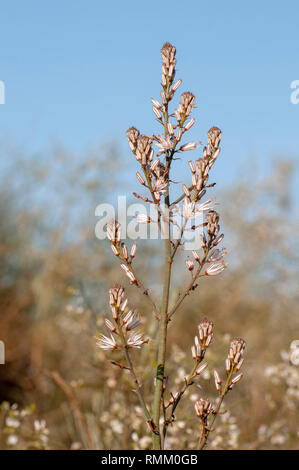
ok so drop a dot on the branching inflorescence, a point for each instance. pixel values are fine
(207, 258)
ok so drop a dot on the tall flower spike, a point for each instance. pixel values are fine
(156, 177)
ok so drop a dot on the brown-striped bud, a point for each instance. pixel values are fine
(203, 408)
(214, 136)
(205, 328)
(212, 219)
(132, 136)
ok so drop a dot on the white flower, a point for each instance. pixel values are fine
(215, 268)
(205, 206)
(135, 340)
(188, 208)
(159, 186)
(104, 342)
(164, 143)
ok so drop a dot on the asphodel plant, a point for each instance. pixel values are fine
(188, 213)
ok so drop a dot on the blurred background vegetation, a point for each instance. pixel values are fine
(58, 391)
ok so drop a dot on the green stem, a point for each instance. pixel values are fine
(166, 288)
(162, 338)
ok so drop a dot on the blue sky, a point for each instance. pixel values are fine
(81, 72)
